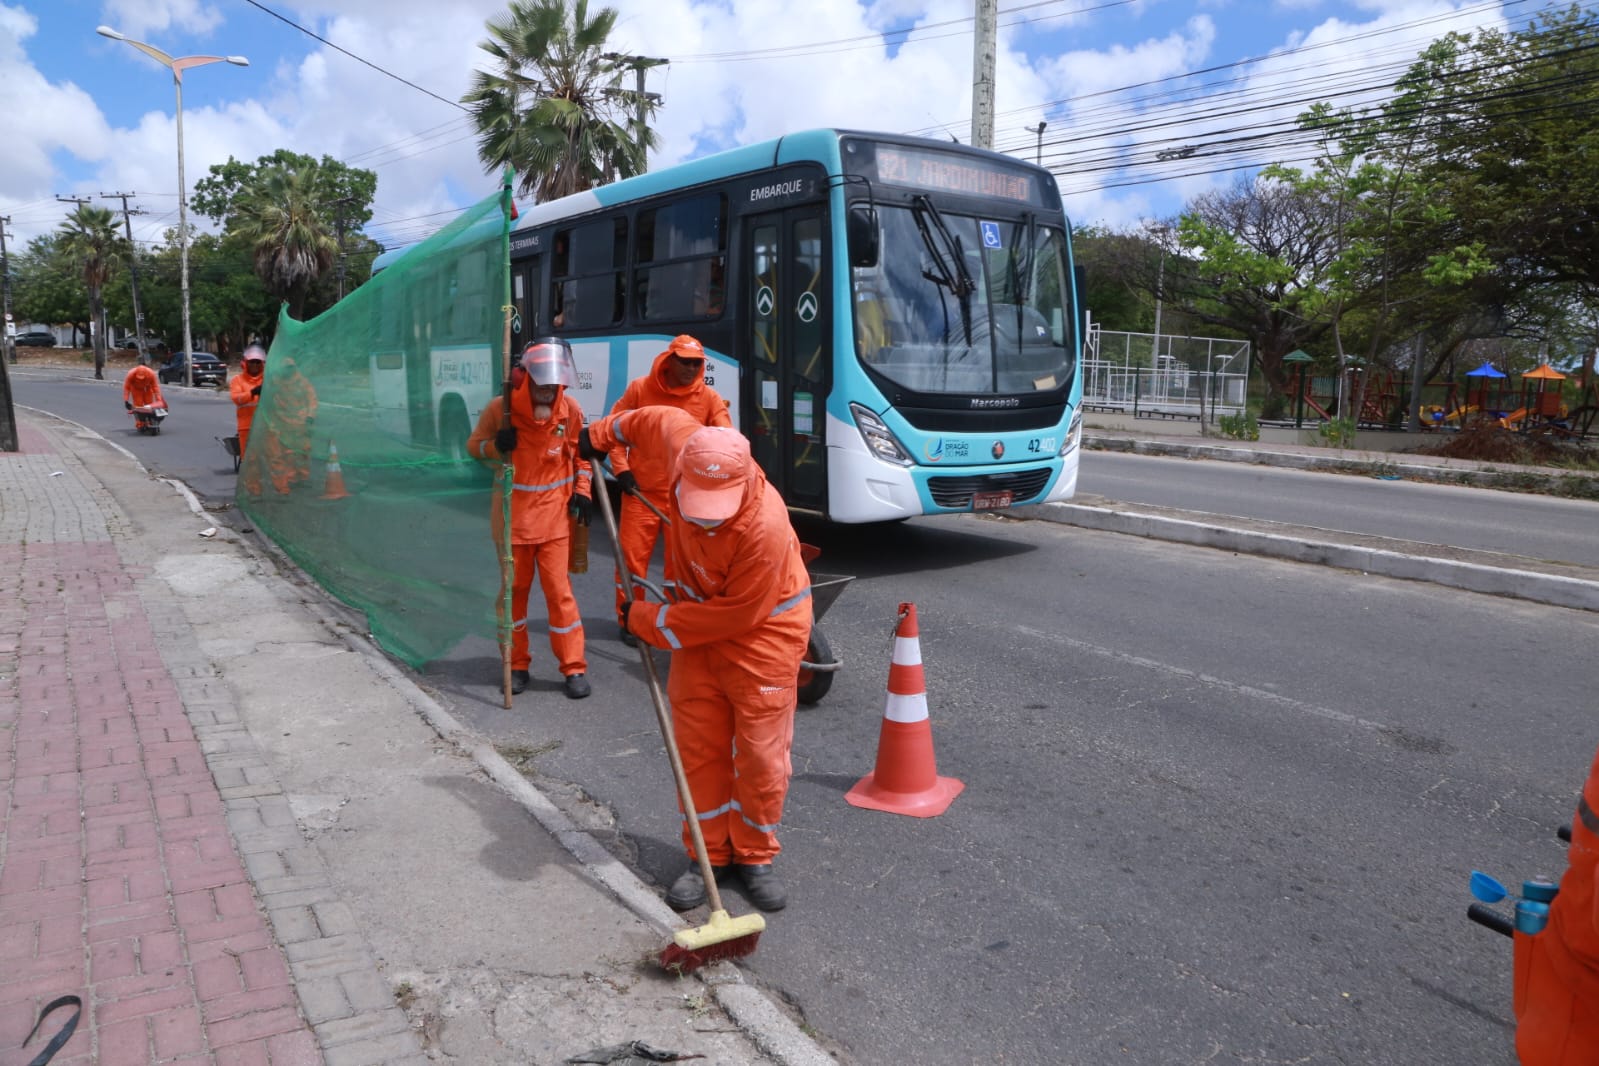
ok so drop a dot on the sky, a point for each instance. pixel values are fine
(1144, 103)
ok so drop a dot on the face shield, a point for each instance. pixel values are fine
(548, 361)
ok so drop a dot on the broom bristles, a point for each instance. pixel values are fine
(722, 938)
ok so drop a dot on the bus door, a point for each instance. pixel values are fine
(787, 374)
(525, 298)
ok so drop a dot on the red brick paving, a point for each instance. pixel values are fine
(119, 880)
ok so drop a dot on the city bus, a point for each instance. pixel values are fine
(896, 323)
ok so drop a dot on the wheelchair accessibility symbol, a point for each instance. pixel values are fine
(991, 237)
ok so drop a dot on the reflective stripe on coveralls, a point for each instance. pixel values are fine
(1557, 971)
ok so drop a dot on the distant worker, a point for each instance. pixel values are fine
(142, 388)
(737, 626)
(246, 391)
(290, 408)
(550, 488)
(677, 379)
(1557, 971)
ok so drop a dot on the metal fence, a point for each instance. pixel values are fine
(1146, 374)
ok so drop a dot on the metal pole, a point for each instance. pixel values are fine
(6, 340)
(183, 241)
(1038, 129)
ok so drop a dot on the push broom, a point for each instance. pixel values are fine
(723, 936)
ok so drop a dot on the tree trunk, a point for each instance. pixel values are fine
(97, 331)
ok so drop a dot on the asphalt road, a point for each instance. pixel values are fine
(1217, 808)
(1543, 527)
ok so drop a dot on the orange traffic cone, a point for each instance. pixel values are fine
(333, 483)
(906, 780)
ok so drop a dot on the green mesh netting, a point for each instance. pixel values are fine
(356, 463)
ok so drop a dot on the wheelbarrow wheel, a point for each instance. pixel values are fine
(813, 684)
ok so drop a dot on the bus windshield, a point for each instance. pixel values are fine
(960, 304)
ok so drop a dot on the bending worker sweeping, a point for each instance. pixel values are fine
(737, 631)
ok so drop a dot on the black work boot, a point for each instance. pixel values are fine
(627, 637)
(762, 886)
(577, 687)
(519, 681)
(688, 891)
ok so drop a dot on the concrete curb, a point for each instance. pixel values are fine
(1554, 589)
(1575, 484)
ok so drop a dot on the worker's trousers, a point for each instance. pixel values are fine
(734, 730)
(549, 559)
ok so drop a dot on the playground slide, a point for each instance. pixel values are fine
(1515, 418)
(1459, 413)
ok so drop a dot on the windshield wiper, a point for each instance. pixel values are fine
(959, 279)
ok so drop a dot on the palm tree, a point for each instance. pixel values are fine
(550, 108)
(280, 217)
(90, 239)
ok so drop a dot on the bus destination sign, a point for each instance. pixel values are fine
(951, 173)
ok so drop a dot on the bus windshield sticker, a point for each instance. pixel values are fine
(769, 394)
(991, 236)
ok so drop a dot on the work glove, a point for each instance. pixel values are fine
(641, 616)
(256, 391)
(505, 440)
(585, 447)
(128, 404)
(627, 481)
(581, 509)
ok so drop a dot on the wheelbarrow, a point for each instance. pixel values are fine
(231, 446)
(820, 664)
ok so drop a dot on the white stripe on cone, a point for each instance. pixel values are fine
(912, 708)
(907, 651)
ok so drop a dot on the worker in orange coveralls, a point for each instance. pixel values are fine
(245, 389)
(550, 486)
(737, 628)
(290, 409)
(676, 380)
(142, 388)
(1557, 971)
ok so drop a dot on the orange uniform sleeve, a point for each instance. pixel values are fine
(480, 445)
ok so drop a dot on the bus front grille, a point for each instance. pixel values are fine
(1023, 485)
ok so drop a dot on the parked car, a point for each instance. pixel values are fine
(208, 370)
(37, 338)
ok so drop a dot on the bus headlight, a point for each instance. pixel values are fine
(880, 440)
(1074, 433)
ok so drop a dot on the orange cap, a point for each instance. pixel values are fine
(685, 347)
(712, 469)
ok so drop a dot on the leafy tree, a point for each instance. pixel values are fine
(91, 239)
(335, 186)
(549, 108)
(283, 222)
(45, 285)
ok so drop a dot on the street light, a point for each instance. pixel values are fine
(178, 66)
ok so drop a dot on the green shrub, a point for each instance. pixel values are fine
(1240, 426)
(1338, 433)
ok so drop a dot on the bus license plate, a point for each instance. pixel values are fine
(991, 501)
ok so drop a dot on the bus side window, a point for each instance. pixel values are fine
(588, 287)
(680, 257)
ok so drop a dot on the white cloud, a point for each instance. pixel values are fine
(139, 18)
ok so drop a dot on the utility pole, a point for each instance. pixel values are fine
(983, 73)
(99, 370)
(133, 270)
(642, 101)
(1038, 129)
(8, 329)
(338, 227)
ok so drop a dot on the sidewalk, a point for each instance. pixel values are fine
(243, 836)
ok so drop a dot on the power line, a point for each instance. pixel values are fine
(386, 73)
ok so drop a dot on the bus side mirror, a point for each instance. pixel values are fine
(1080, 300)
(862, 237)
